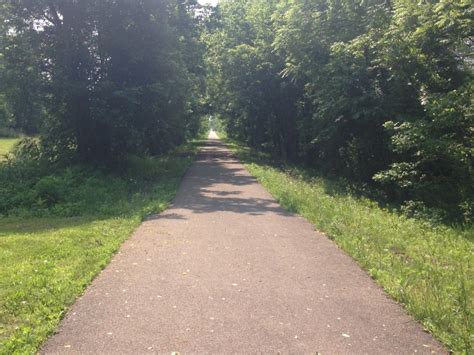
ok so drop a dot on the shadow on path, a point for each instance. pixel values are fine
(218, 182)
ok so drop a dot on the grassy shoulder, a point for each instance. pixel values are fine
(429, 269)
(6, 144)
(59, 230)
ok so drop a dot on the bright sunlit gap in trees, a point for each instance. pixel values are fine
(209, 2)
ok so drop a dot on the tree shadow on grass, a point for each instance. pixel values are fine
(9, 226)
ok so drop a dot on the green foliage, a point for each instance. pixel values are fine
(205, 127)
(429, 269)
(439, 154)
(102, 79)
(6, 132)
(22, 88)
(244, 85)
(376, 92)
(31, 186)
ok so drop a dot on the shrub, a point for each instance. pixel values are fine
(6, 132)
(50, 190)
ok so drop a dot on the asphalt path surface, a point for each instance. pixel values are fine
(227, 270)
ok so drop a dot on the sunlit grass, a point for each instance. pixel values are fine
(6, 144)
(44, 265)
(429, 269)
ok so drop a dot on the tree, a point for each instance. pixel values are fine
(21, 85)
(118, 74)
(376, 92)
(244, 84)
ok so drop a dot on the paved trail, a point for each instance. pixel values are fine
(226, 270)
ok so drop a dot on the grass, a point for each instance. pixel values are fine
(428, 269)
(48, 258)
(6, 144)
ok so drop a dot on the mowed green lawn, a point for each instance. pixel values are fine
(429, 269)
(45, 264)
(47, 259)
(6, 144)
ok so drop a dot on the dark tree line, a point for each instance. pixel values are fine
(99, 79)
(378, 92)
(375, 91)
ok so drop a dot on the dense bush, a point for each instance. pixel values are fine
(32, 185)
(7, 132)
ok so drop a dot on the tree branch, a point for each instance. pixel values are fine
(55, 20)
